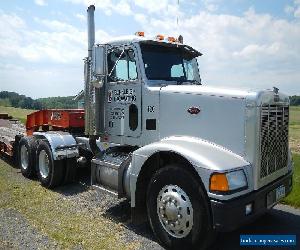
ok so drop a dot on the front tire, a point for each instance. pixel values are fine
(50, 172)
(178, 210)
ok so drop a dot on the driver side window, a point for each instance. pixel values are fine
(177, 71)
(121, 65)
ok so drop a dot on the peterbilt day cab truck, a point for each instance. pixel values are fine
(193, 160)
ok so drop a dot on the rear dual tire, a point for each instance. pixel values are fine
(35, 158)
(50, 172)
(27, 159)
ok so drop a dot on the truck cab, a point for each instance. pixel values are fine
(137, 71)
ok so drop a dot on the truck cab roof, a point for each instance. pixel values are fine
(130, 39)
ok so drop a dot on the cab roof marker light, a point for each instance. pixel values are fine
(140, 33)
(172, 39)
(160, 37)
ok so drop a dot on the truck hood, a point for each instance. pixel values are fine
(223, 115)
(252, 97)
(209, 91)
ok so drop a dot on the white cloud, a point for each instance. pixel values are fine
(121, 7)
(40, 2)
(297, 12)
(153, 5)
(140, 18)
(295, 9)
(81, 17)
(58, 42)
(45, 61)
(41, 81)
(211, 5)
(289, 9)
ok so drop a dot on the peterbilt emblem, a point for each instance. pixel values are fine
(193, 110)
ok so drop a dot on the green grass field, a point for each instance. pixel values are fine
(17, 113)
(295, 129)
(293, 198)
(56, 217)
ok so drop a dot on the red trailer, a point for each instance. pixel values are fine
(11, 130)
(55, 119)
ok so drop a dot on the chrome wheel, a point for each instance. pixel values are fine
(175, 211)
(24, 157)
(44, 164)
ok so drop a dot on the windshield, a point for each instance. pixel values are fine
(169, 64)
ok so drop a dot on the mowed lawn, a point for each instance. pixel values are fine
(293, 198)
(295, 129)
(17, 113)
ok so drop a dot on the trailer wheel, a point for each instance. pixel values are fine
(27, 149)
(50, 172)
(177, 209)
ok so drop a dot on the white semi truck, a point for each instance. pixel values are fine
(192, 159)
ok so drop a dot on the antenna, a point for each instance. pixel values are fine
(180, 37)
(177, 19)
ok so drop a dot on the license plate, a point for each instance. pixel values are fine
(280, 192)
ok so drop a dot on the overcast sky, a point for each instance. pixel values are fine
(249, 44)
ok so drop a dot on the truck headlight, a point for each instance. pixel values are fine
(228, 182)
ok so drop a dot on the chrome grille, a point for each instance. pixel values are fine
(274, 139)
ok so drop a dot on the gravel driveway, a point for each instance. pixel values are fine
(17, 233)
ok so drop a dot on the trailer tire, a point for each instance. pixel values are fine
(50, 172)
(178, 210)
(26, 156)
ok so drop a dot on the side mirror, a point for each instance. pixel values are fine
(99, 61)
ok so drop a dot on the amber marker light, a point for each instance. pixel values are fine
(172, 39)
(140, 33)
(218, 182)
(160, 37)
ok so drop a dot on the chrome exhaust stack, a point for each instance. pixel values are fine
(91, 29)
(89, 90)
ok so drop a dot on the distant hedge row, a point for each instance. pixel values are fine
(295, 100)
(12, 99)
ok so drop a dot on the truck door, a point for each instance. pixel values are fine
(123, 112)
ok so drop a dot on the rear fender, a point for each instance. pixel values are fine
(63, 144)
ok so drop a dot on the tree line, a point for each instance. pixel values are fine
(295, 100)
(12, 99)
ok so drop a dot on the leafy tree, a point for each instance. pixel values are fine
(295, 100)
(5, 102)
(21, 101)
